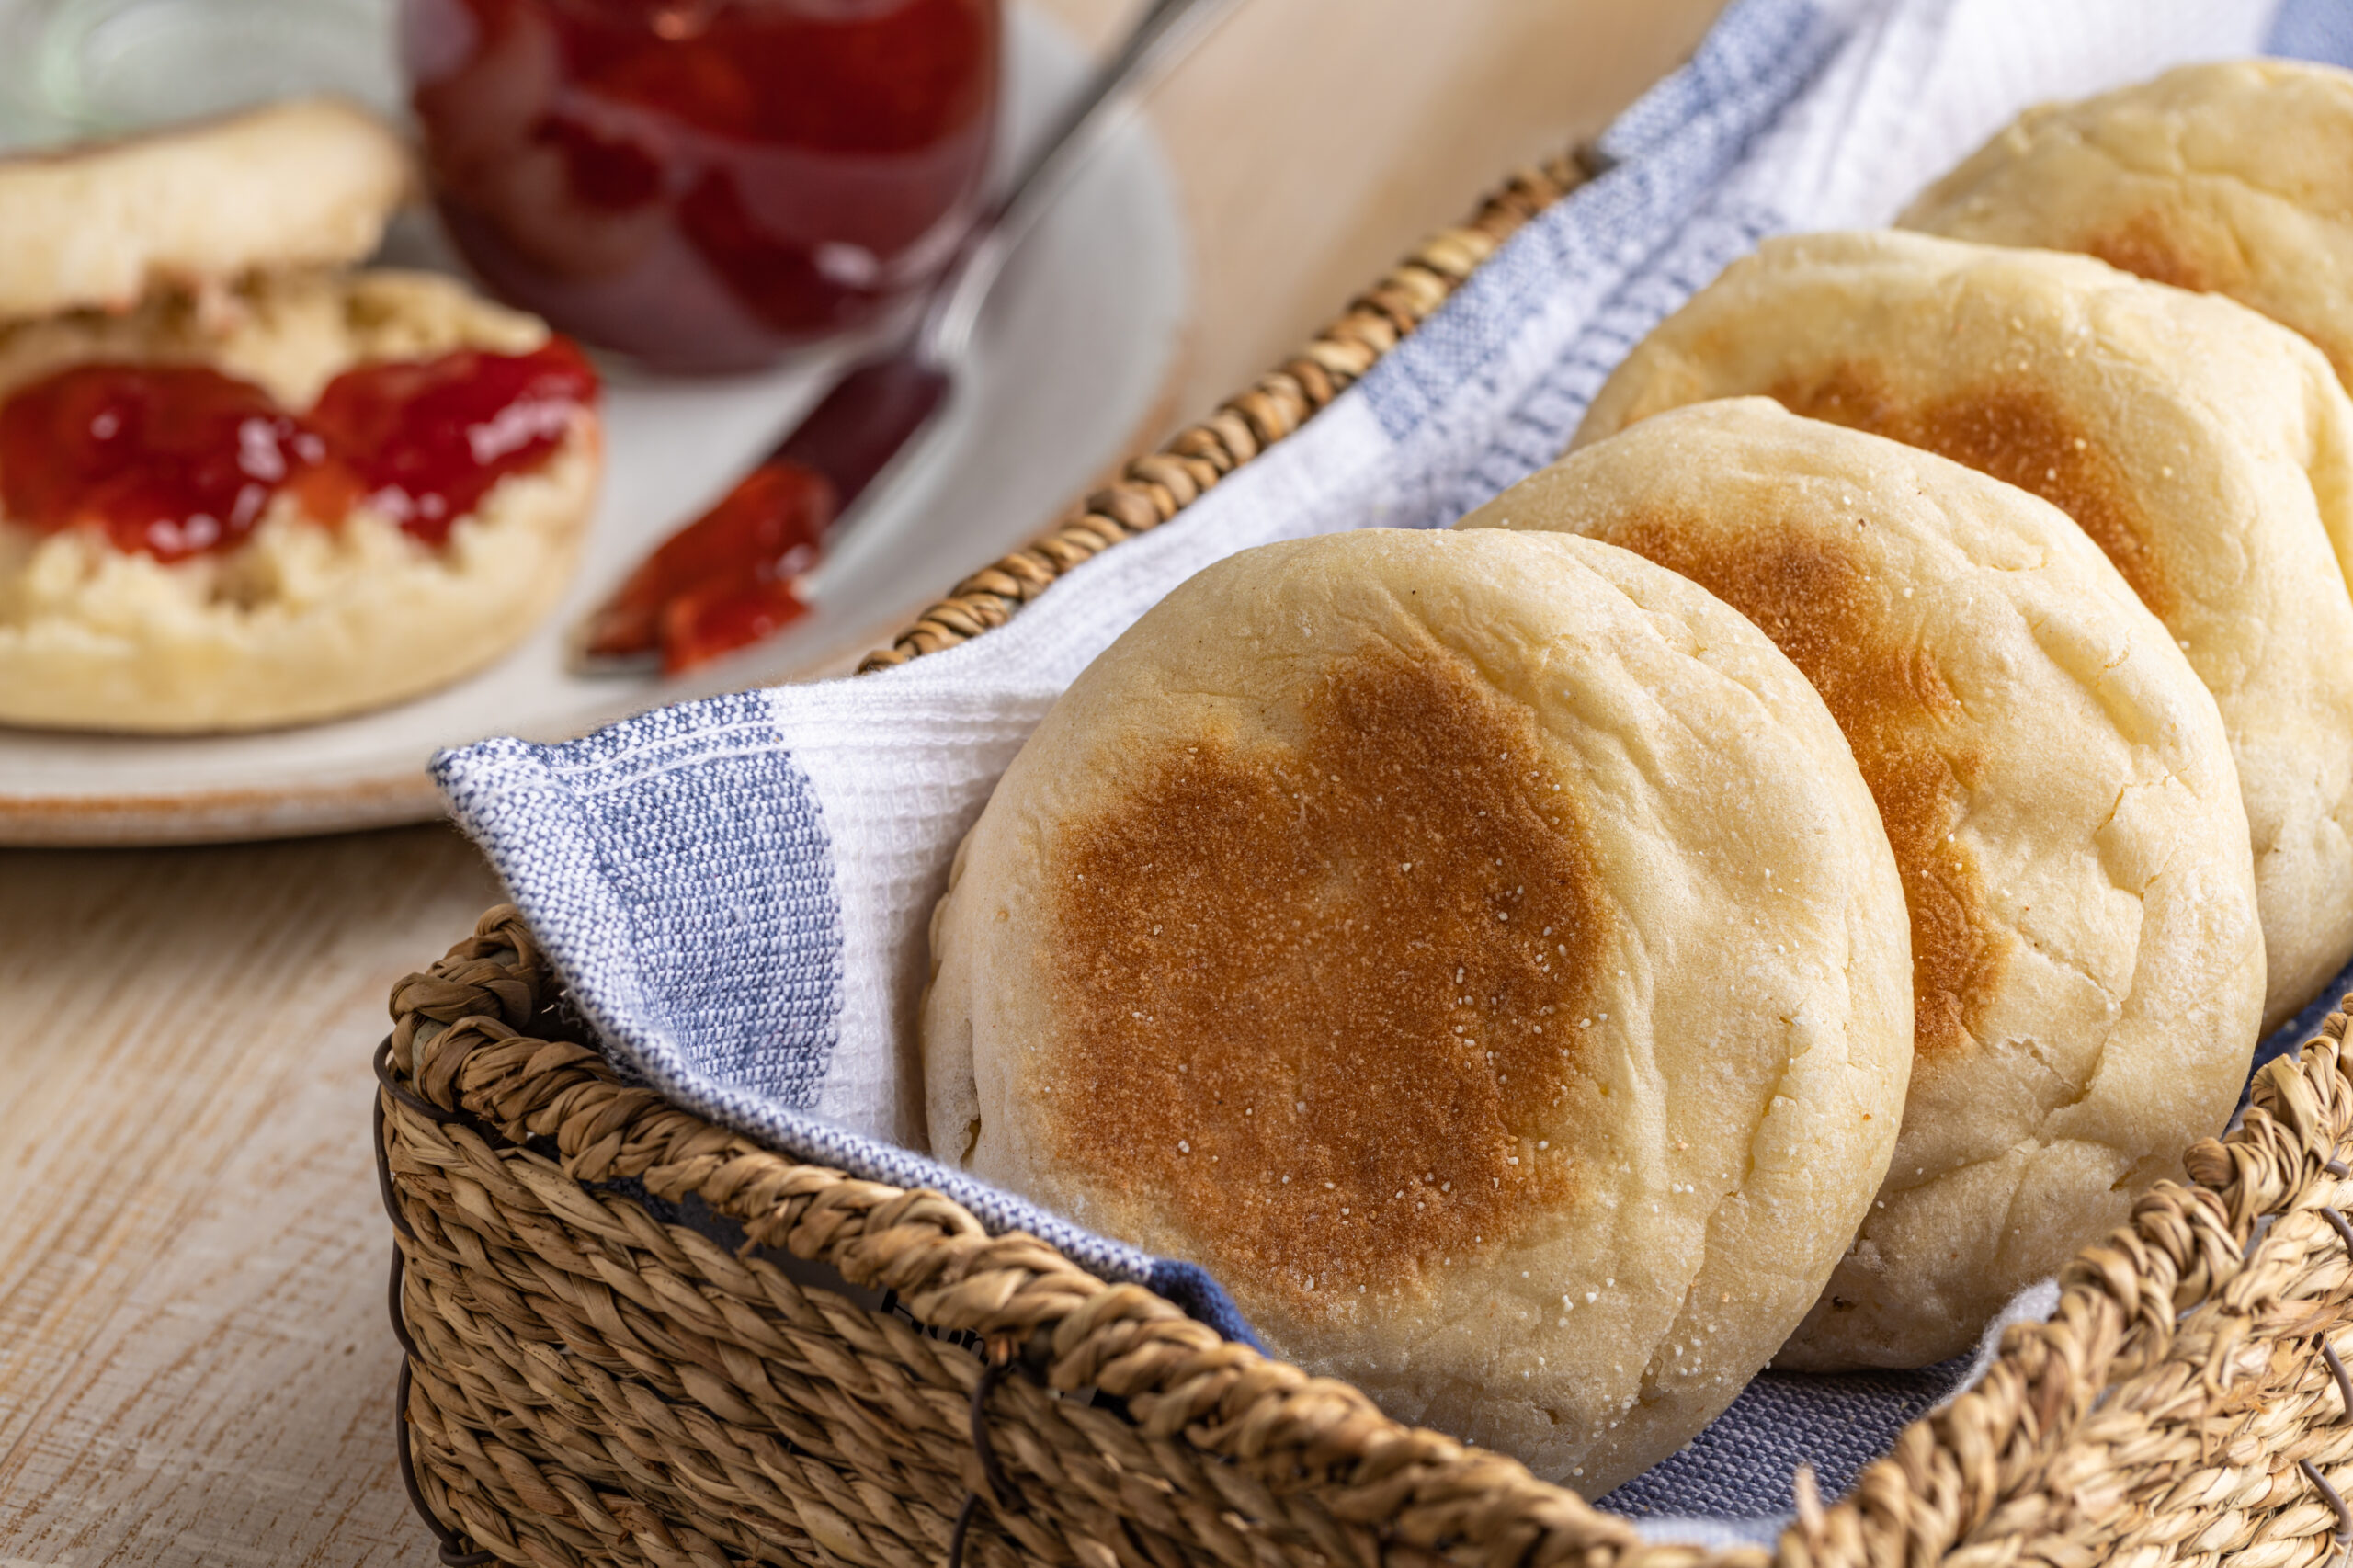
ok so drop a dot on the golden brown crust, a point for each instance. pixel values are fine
(1813, 598)
(1268, 958)
(1502, 785)
(2228, 178)
(2011, 428)
(2057, 790)
(2208, 451)
(2152, 243)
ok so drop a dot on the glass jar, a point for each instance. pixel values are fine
(705, 185)
(71, 70)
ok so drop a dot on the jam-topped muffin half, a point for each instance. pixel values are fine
(241, 486)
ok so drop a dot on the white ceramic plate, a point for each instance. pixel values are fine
(1080, 340)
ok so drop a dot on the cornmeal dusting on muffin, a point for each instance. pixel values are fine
(2017, 433)
(1323, 1000)
(1812, 598)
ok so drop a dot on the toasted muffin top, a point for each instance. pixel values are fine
(2059, 795)
(281, 188)
(2234, 178)
(1478, 950)
(2206, 452)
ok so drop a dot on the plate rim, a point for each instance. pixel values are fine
(362, 799)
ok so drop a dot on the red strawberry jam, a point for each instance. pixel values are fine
(705, 184)
(171, 459)
(725, 580)
(176, 459)
(426, 441)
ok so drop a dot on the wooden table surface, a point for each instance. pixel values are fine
(195, 1364)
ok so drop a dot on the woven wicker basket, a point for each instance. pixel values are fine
(636, 1337)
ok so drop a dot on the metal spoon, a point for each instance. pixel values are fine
(874, 414)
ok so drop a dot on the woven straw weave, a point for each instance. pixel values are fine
(856, 1374)
(587, 1382)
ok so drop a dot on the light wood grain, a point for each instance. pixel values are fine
(194, 1366)
(1316, 141)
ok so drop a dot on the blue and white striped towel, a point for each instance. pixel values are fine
(737, 891)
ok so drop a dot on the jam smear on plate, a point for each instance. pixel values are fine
(726, 580)
(174, 460)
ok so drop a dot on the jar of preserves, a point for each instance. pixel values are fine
(705, 185)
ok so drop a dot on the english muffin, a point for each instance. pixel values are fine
(281, 187)
(2087, 965)
(2232, 178)
(2204, 449)
(239, 487)
(303, 617)
(1477, 949)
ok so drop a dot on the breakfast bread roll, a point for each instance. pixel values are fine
(2087, 966)
(1477, 949)
(306, 619)
(199, 531)
(2204, 449)
(286, 187)
(2232, 178)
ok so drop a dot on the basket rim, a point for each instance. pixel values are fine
(1153, 487)
(2179, 1279)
